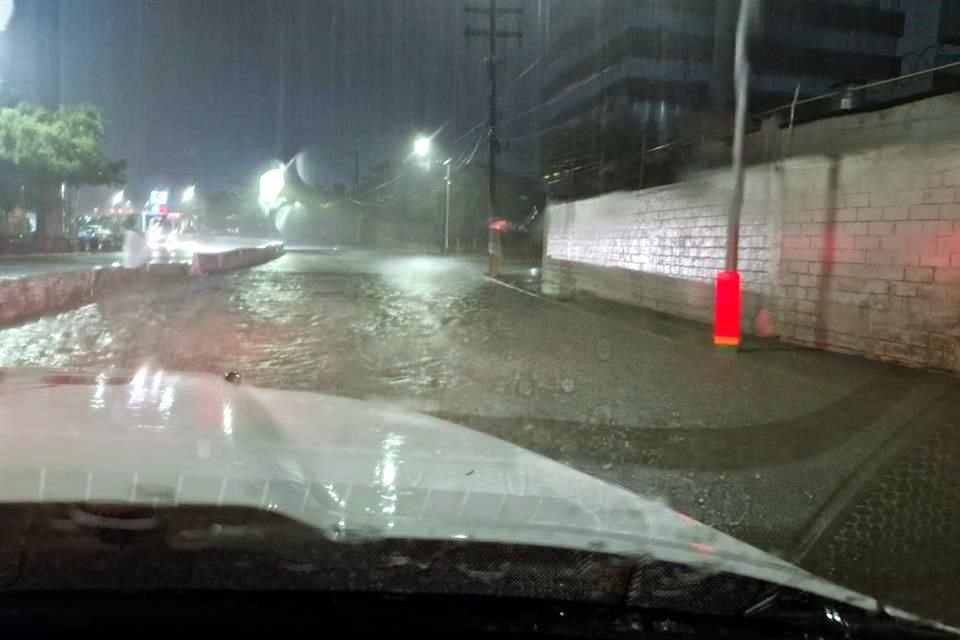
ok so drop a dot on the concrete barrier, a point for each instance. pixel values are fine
(26, 298)
(206, 263)
(22, 299)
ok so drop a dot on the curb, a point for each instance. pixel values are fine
(573, 308)
(221, 262)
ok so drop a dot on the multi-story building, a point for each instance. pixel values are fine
(625, 75)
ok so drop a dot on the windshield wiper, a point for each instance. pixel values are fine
(833, 618)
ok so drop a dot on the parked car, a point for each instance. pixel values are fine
(95, 237)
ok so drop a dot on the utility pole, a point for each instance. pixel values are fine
(726, 322)
(493, 238)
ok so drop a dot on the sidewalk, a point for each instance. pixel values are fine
(842, 464)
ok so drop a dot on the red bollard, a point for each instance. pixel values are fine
(726, 312)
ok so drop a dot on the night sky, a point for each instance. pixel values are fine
(213, 90)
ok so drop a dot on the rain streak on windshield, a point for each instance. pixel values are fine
(666, 278)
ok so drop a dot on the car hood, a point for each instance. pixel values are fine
(349, 467)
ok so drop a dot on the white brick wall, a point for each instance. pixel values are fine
(857, 251)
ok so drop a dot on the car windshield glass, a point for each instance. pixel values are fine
(583, 274)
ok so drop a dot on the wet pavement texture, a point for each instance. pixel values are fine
(839, 463)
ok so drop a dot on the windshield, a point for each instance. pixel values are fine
(651, 261)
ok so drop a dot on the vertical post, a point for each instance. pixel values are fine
(726, 326)
(356, 169)
(493, 244)
(64, 223)
(643, 156)
(446, 209)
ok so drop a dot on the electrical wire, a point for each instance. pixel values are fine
(473, 154)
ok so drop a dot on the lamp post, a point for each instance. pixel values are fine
(446, 209)
(421, 149)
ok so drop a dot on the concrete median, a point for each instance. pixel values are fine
(25, 298)
(30, 297)
(208, 263)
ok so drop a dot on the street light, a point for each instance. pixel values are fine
(271, 184)
(117, 198)
(446, 208)
(421, 147)
(6, 12)
(188, 194)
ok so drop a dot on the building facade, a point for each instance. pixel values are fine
(622, 76)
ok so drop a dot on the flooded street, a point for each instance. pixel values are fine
(760, 444)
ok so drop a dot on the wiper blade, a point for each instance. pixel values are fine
(833, 618)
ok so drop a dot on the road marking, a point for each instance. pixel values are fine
(515, 288)
(646, 332)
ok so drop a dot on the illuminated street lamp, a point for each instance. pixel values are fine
(271, 184)
(6, 12)
(188, 194)
(421, 147)
(117, 198)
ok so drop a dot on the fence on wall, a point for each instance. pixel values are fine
(577, 175)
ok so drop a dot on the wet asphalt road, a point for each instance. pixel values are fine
(796, 451)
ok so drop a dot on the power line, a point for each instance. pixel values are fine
(463, 163)
(520, 76)
(556, 98)
(515, 79)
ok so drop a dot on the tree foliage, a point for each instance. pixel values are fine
(40, 149)
(57, 146)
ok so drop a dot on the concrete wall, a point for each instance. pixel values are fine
(855, 248)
